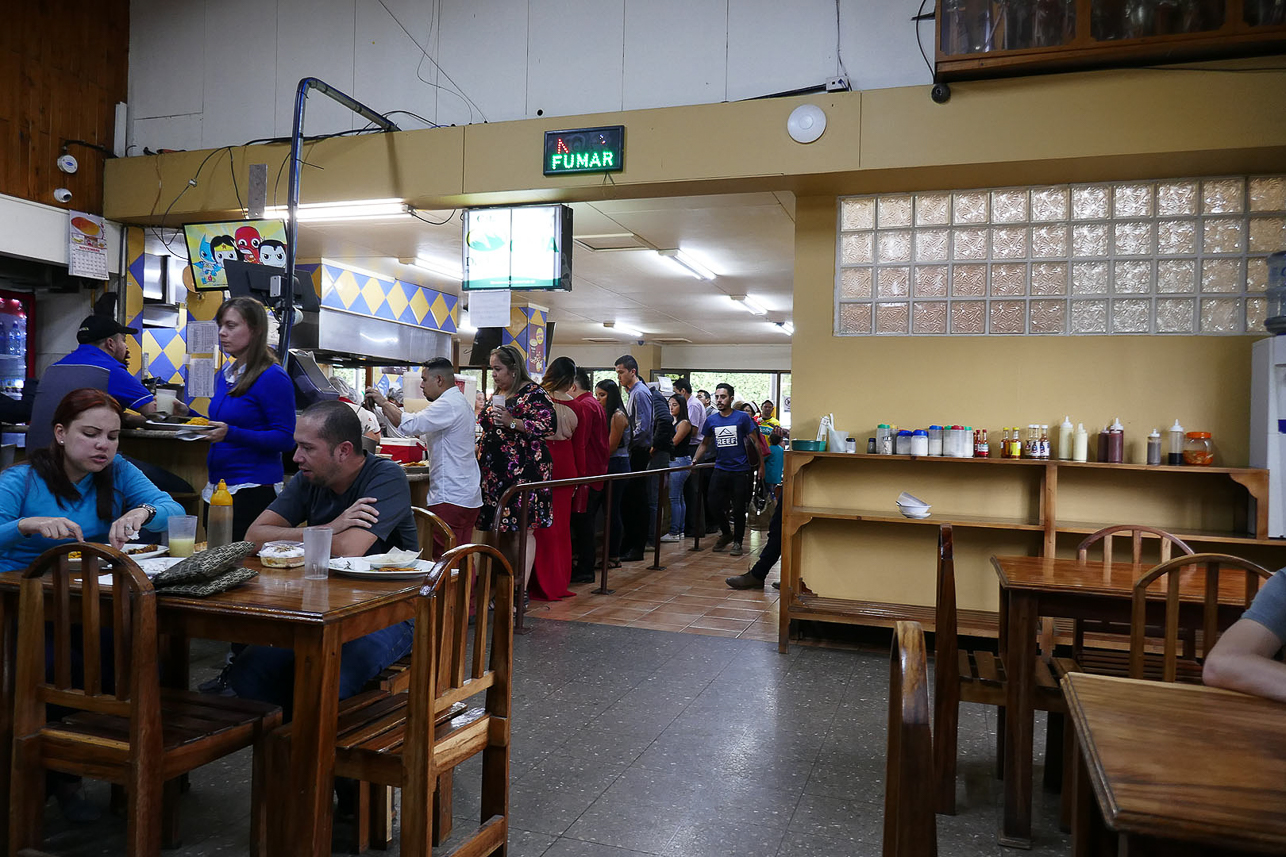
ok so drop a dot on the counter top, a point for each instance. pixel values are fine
(144, 434)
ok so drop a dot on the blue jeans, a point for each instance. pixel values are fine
(658, 461)
(268, 674)
(678, 506)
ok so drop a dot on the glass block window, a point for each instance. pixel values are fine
(1178, 256)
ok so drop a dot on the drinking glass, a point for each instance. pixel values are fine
(182, 535)
(316, 553)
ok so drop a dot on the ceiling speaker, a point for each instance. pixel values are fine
(806, 123)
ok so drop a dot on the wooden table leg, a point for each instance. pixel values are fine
(1020, 659)
(312, 751)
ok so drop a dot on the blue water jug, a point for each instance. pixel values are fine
(1276, 321)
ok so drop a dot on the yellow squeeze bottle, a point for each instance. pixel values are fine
(219, 528)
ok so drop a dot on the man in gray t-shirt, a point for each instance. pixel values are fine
(1248, 655)
(366, 502)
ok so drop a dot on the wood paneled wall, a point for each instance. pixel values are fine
(63, 68)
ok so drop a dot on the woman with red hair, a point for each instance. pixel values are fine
(78, 488)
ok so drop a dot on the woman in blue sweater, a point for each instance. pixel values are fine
(77, 488)
(252, 414)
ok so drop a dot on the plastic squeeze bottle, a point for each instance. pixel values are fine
(1080, 443)
(1116, 442)
(1065, 439)
(219, 525)
(1154, 447)
(1174, 455)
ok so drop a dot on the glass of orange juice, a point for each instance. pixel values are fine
(182, 535)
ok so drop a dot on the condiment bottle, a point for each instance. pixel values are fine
(1015, 444)
(219, 524)
(1174, 454)
(920, 442)
(984, 448)
(967, 449)
(1102, 444)
(1044, 442)
(903, 443)
(1004, 444)
(1080, 443)
(1154, 447)
(1199, 450)
(935, 440)
(883, 439)
(1116, 442)
(1065, 438)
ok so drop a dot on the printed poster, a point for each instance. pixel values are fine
(86, 246)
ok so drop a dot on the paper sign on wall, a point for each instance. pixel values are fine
(86, 246)
(202, 336)
(200, 378)
(490, 308)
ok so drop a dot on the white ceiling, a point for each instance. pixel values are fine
(746, 239)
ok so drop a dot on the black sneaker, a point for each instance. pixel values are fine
(722, 545)
(736, 549)
(218, 686)
(745, 581)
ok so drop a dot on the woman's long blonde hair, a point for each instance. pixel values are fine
(257, 356)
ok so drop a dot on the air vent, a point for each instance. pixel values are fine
(600, 339)
(612, 241)
(667, 340)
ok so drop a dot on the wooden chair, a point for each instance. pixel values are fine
(407, 739)
(138, 735)
(910, 825)
(373, 823)
(1169, 666)
(978, 676)
(1113, 661)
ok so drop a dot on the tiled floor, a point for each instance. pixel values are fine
(689, 595)
(679, 743)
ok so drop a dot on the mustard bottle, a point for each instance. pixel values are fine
(219, 524)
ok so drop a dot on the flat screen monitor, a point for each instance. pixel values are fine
(255, 281)
(523, 248)
(257, 242)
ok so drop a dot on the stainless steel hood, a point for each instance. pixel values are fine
(346, 336)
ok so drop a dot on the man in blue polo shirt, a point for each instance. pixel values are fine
(102, 344)
(736, 458)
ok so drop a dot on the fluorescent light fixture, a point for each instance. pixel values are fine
(356, 209)
(617, 327)
(441, 267)
(688, 264)
(785, 327)
(749, 304)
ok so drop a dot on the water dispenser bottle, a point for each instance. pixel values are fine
(1276, 321)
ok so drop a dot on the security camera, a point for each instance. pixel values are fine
(67, 163)
(62, 195)
(941, 93)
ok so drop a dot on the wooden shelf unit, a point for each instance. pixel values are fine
(1235, 497)
(1005, 38)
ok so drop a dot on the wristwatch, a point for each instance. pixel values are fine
(151, 512)
(513, 425)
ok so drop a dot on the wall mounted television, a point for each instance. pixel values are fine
(526, 247)
(258, 242)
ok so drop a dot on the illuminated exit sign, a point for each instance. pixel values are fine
(587, 150)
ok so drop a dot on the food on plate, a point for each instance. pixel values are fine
(282, 554)
(395, 569)
(131, 550)
(197, 421)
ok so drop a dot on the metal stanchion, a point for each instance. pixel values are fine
(607, 539)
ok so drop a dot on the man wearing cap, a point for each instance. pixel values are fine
(102, 344)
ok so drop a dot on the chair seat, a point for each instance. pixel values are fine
(394, 678)
(1117, 663)
(983, 676)
(195, 728)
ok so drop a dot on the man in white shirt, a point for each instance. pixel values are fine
(446, 425)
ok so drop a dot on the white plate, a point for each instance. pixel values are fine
(923, 514)
(146, 554)
(358, 567)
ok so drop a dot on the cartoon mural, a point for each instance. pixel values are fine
(212, 244)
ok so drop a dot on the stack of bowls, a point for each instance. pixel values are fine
(911, 506)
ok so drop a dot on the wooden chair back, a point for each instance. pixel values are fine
(1136, 533)
(1174, 572)
(432, 529)
(910, 823)
(131, 618)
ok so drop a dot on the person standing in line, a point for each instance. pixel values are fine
(704, 397)
(696, 416)
(608, 394)
(732, 434)
(593, 429)
(636, 502)
(513, 450)
(446, 426)
(683, 448)
(552, 571)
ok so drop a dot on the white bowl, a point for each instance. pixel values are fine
(912, 513)
(913, 507)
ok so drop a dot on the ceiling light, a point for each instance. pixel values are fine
(749, 305)
(617, 327)
(441, 267)
(785, 327)
(357, 209)
(688, 264)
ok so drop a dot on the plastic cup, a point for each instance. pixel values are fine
(165, 401)
(317, 553)
(182, 535)
(498, 400)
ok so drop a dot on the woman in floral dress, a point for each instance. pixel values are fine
(513, 450)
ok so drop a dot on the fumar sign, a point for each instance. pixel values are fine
(585, 150)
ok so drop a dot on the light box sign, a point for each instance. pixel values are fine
(586, 150)
(524, 247)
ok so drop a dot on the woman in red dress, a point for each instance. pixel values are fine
(553, 569)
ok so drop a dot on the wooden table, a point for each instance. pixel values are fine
(278, 608)
(1031, 587)
(1225, 787)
